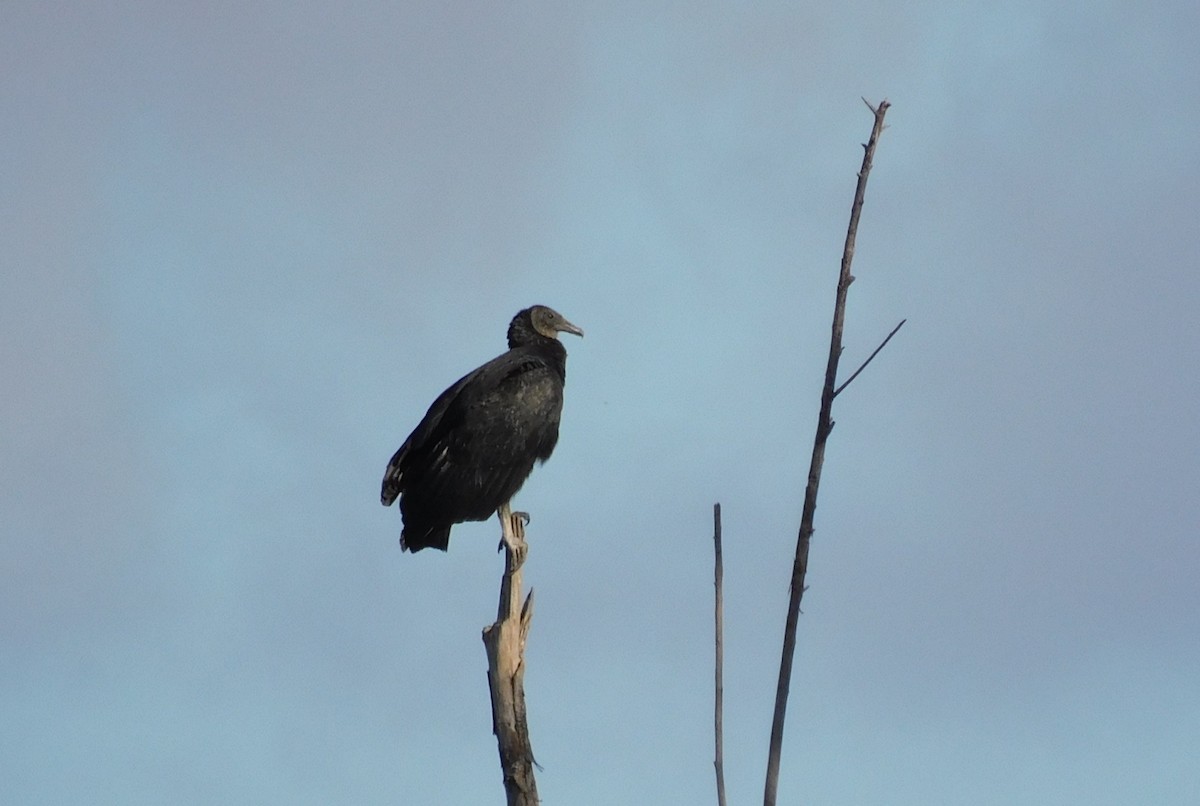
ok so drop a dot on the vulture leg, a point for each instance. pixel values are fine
(512, 533)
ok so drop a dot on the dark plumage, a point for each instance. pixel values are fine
(479, 440)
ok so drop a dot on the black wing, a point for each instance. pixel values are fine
(467, 421)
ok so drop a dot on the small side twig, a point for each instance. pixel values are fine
(838, 391)
(718, 617)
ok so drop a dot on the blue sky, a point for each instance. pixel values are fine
(244, 246)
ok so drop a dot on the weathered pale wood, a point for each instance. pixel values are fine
(505, 644)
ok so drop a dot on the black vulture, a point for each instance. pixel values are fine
(479, 440)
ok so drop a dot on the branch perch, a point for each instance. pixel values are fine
(824, 426)
(505, 644)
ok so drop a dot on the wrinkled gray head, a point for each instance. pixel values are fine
(538, 320)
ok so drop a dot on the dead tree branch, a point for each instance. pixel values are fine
(883, 344)
(824, 426)
(505, 644)
(718, 619)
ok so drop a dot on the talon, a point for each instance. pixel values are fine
(517, 546)
(512, 534)
(517, 524)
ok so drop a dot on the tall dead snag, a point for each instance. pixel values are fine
(505, 644)
(824, 426)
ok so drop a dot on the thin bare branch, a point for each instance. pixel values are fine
(718, 617)
(824, 426)
(838, 391)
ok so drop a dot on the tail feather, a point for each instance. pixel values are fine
(415, 538)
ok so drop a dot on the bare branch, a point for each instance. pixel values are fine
(838, 391)
(718, 617)
(824, 426)
(505, 644)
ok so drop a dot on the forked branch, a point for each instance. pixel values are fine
(824, 426)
